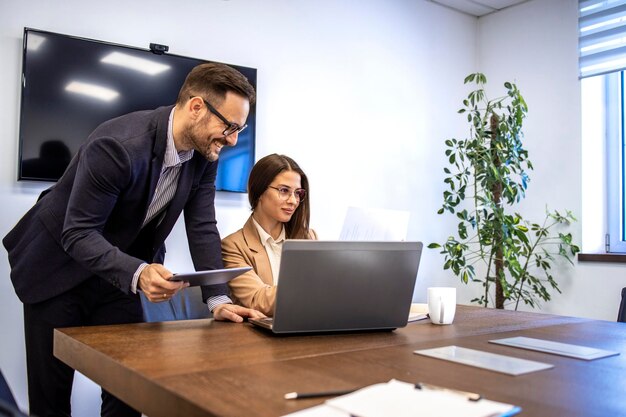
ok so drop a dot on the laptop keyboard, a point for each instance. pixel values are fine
(266, 320)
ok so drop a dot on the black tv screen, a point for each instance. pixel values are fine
(70, 85)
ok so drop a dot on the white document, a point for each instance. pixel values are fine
(556, 348)
(491, 361)
(402, 399)
(322, 410)
(419, 311)
(375, 224)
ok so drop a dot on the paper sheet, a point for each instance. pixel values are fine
(419, 311)
(402, 399)
(556, 348)
(486, 360)
(322, 410)
(375, 224)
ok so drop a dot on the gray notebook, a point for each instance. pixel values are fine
(329, 286)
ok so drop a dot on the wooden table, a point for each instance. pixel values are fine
(208, 368)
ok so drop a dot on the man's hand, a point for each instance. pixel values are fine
(235, 313)
(155, 283)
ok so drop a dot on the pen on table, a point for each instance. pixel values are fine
(298, 395)
(469, 395)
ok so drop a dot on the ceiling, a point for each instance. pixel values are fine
(478, 7)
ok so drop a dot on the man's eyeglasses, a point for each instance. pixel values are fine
(284, 193)
(230, 126)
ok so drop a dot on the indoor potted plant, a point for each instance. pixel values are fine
(487, 176)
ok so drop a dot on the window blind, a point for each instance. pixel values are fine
(602, 36)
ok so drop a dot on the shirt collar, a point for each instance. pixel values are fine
(172, 157)
(266, 237)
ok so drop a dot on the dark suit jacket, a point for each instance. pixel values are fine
(89, 223)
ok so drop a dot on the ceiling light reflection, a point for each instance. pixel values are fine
(138, 64)
(34, 42)
(92, 90)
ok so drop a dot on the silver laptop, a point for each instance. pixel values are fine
(329, 286)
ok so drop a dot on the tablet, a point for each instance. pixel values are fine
(212, 277)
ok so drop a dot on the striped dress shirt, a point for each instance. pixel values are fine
(163, 194)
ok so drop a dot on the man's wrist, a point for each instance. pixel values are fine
(135, 281)
(217, 300)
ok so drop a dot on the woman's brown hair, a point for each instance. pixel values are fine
(262, 175)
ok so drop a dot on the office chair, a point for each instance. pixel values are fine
(5, 392)
(8, 406)
(621, 315)
(8, 410)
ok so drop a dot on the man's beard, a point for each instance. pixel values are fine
(193, 134)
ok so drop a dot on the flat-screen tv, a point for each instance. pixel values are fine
(70, 85)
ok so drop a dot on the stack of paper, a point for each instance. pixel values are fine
(401, 399)
(419, 311)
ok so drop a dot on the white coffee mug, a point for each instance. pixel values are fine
(441, 304)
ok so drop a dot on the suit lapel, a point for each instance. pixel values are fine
(158, 154)
(262, 263)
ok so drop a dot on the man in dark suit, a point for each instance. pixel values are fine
(95, 238)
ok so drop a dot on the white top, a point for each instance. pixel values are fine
(273, 248)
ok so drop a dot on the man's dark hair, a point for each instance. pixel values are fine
(212, 81)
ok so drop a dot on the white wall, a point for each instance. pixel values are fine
(362, 94)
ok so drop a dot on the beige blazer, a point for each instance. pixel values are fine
(254, 289)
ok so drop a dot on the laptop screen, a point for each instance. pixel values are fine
(345, 285)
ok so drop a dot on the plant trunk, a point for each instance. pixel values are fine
(497, 196)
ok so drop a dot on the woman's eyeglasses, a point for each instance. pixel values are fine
(284, 193)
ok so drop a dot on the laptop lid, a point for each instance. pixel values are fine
(345, 285)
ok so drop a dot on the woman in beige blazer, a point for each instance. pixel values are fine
(278, 191)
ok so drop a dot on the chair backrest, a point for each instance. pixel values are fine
(9, 410)
(621, 314)
(5, 392)
(8, 406)
(186, 305)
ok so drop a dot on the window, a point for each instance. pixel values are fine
(616, 227)
(602, 62)
(604, 188)
(602, 36)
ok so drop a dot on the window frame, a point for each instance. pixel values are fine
(615, 128)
